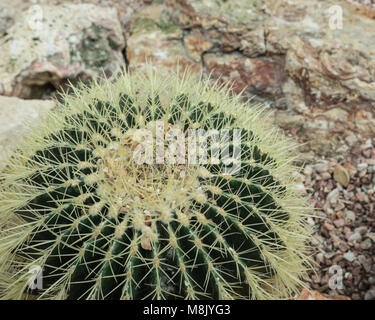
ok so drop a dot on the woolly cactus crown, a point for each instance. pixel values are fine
(76, 202)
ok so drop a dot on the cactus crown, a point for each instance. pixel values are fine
(102, 226)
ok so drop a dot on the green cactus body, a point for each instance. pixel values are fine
(102, 226)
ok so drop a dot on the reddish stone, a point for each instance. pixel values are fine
(315, 295)
(328, 226)
(256, 76)
(339, 214)
(339, 223)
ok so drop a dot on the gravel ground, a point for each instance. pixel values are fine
(368, 3)
(343, 195)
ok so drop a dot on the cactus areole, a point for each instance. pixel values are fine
(125, 192)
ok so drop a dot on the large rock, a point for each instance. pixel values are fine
(125, 8)
(263, 76)
(155, 38)
(320, 80)
(49, 44)
(14, 114)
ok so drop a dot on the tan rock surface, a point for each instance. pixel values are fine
(14, 114)
(49, 44)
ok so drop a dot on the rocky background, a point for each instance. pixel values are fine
(317, 81)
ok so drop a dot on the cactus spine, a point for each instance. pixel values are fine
(101, 226)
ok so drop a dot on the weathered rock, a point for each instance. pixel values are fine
(125, 8)
(259, 76)
(49, 44)
(320, 78)
(14, 113)
(156, 39)
(196, 45)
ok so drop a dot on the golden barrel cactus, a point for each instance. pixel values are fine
(152, 186)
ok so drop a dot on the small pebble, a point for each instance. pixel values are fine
(310, 221)
(320, 258)
(356, 296)
(328, 226)
(339, 223)
(371, 235)
(341, 175)
(350, 215)
(325, 175)
(370, 295)
(356, 236)
(333, 196)
(366, 244)
(362, 166)
(349, 256)
(362, 230)
(351, 140)
(322, 166)
(308, 171)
